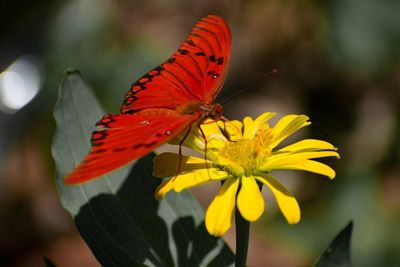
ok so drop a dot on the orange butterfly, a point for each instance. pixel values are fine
(163, 103)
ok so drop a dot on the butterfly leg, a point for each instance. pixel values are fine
(224, 131)
(205, 149)
(180, 149)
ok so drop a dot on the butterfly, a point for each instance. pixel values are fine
(163, 103)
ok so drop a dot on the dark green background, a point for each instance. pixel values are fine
(337, 62)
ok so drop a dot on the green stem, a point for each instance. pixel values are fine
(242, 239)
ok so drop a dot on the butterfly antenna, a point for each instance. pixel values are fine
(239, 92)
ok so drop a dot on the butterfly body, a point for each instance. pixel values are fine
(204, 110)
(163, 103)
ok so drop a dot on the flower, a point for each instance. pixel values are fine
(242, 155)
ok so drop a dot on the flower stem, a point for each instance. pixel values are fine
(242, 239)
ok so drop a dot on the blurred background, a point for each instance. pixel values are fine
(338, 63)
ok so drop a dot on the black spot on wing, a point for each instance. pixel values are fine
(190, 42)
(150, 144)
(137, 146)
(210, 73)
(183, 51)
(97, 151)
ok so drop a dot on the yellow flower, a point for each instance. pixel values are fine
(242, 155)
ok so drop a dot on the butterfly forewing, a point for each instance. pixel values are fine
(194, 73)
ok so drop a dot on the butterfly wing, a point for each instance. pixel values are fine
(194, 73)
(154, 109)
(123, 138)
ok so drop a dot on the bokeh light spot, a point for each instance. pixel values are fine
(20, 83)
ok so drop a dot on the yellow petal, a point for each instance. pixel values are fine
(251, 127)
(303, 165)
(286, 201)
(209, 128)
(232, 166)
(195, 140)
(167, 164)
(264, 118)
(287, 126)
(249, 200)
(163, 188)
(220, 212)
(198, 177)
(296, 156)
(308, 145)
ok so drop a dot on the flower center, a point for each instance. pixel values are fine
(245, 155)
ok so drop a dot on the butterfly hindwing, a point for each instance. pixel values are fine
(123, 138)
(194, 73)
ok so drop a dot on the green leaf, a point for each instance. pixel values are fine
(338, 252)
(117, 214)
